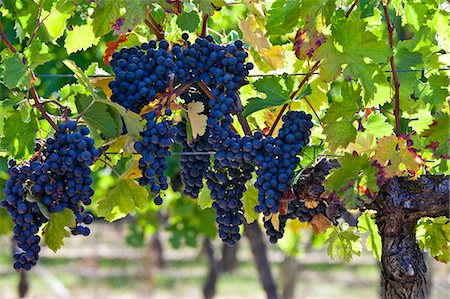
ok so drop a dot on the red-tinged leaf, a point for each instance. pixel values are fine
(394, 155)
(307, 40)
(437, 136)
(112, 46)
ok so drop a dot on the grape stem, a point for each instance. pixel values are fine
(85, 110)
(314, 111)
(155, 29)
(347, 14)
(208, 92)
(394, 71)
(110, 166)
(33, 90)
(204, 25)
(293, 95)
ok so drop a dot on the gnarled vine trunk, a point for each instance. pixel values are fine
(400, 203)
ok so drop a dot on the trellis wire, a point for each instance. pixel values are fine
(251, 75)
(171, 153)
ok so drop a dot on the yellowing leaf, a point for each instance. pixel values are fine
(393, 154)
(197, 120)
(125, 198)
(103, 83)
(273, 56)
(296, 225)
(253, 34)
(134, 172)
(275, 220)
(364, 143)
(55, 229)
(80, 38)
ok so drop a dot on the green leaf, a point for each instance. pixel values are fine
(204, 199)
(338, 121)
(367, 8)
(205, 7)
(355, 175)
(352, 45)
(80, 38)
(433, 234)
(55, 229)
(282, 17)
(250, 200)
(188, 21)
(101, 118)
(435, 91)
(56, 21)
(79, 75)
(366, 224)
(277, 90)
(256, 104)
(13, 70)
(105, 14)
(38, 53)
(437, 136)
(377, 125)
(135, 14)
(5, 112)
(343, 242)
(25, 11)
(18, 138)
(6, 224)
(133, 121)
(125, 198)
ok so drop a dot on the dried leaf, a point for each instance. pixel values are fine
(196, 119)
(320, 223)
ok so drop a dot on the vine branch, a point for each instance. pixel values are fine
(390, 28)
(33, 90)
(347, 14)
(293, 95)
(204, 25)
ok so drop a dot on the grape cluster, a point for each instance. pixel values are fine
(194, 167)
(64, 179)
(157, 138)
(25, 214)
(141, 73)
(57, 177)
(297, 209)
(277, 162)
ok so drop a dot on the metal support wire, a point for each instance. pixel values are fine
(251, 75)
(172, 153)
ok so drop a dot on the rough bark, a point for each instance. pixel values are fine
(229, 258)
(209, 289)
(400, 203)
(255, 237)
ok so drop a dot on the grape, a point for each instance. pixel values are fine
(275, 167)
(157, 138)
(58, 176)
(141, 73)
